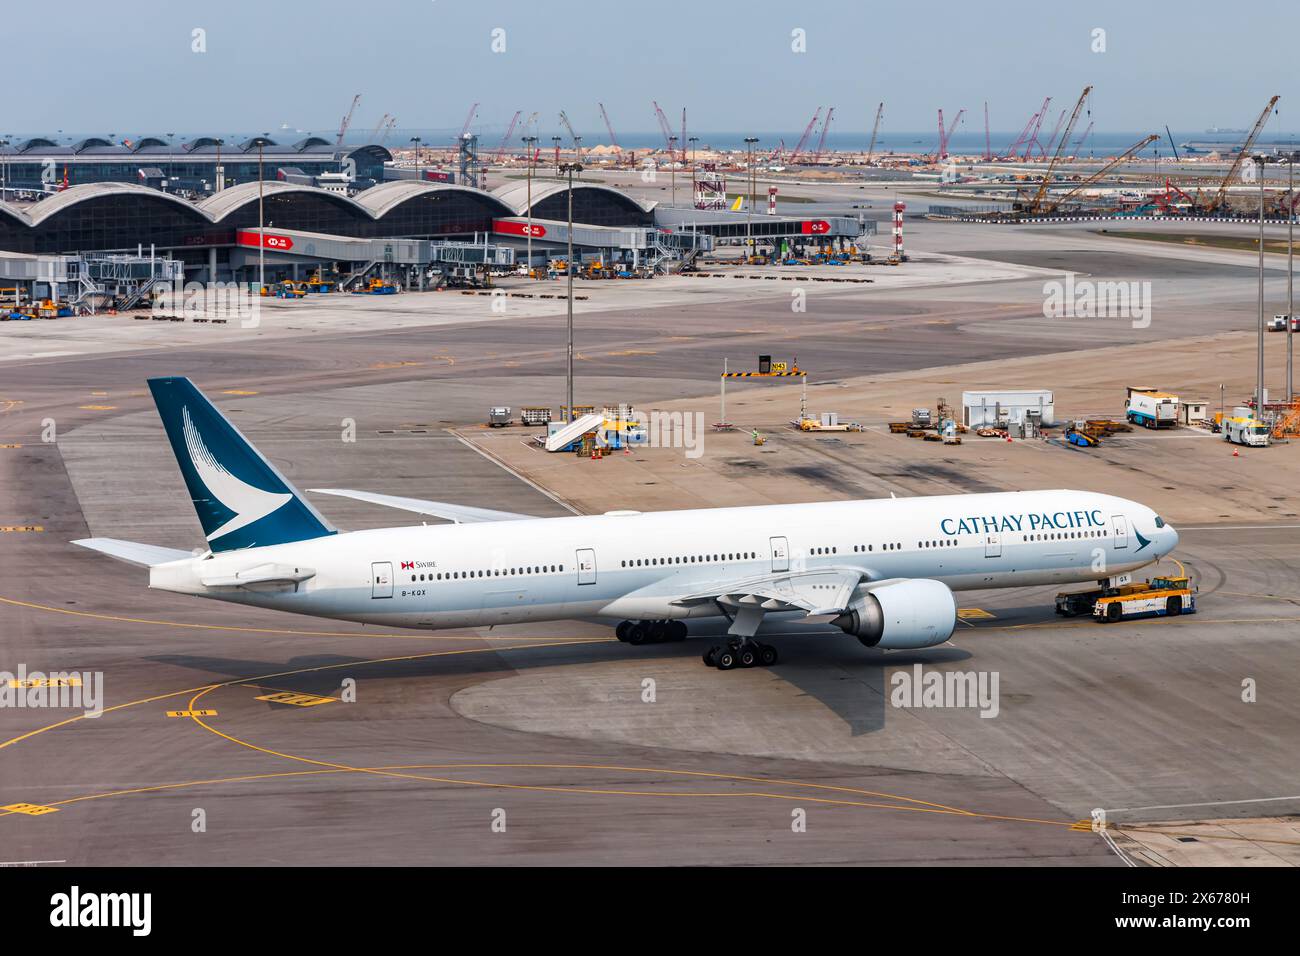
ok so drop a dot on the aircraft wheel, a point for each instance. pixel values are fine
(638, 634)
(748, 655)
(767, 655)
(711, 656)
(726, 659)
(621, 631)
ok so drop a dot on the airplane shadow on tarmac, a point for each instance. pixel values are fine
(834, 669)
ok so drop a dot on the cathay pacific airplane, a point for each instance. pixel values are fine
(883, 571)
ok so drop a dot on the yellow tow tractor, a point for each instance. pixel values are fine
(1163, 596)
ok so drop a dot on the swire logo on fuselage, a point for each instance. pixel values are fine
(1033, 521)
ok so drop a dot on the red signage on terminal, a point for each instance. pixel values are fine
(814, 227)
(269, 240)
(511, 228)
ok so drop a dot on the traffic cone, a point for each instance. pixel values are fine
(1236, 454)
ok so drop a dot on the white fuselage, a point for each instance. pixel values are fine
(629, 565)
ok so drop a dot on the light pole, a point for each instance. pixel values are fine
(1259, 370)
(1290, 268)
(261, 220)
(749, 214)
(672, 164)
(570, 168)
(416, 141)
(556, 141)
(528, 145)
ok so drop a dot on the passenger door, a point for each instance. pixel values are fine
(381, 579)
(586, 566)
(1121, 531)
(780, 554)
(993, 545)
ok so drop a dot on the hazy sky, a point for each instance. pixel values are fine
(128, 67)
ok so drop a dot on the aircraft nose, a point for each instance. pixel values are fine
(1171, 538)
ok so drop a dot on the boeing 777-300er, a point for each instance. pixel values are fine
(883, 571)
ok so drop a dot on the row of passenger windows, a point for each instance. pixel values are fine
(948, 543)
(689, 559)
(1062, 535)
(493, 573)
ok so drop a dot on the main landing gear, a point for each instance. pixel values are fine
(740, 652)
(650, 632)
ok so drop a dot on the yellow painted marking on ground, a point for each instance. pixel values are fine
(974, 614)
(11, 446)
(380, 365)
(46, 682)
(98, 408)
(8, 404)
(19, 528)
(238, 391)
(296, 700)
(259, 630)
(31, 809)
(191, 713)
(99, 394)
(633, 352)
(324, 667)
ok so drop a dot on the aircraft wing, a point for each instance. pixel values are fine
(460, 514)
(825, 593)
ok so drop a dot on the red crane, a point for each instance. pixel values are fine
(613, 140)
(1020, 140)
(821, 140)
(473, 111)
(1038, 124)
(1078, 143)
(347, 120)
(505, 140)
(803, 140)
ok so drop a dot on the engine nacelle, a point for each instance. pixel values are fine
(904, 614)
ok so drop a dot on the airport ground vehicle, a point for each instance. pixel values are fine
(1152, 409)
(1168, 595)
(1243, 428)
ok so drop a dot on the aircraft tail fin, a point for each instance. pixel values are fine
(242, 500)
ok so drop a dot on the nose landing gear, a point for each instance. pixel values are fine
(650, 632)
(741, 652)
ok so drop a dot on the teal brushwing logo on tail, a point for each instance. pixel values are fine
(241, 499)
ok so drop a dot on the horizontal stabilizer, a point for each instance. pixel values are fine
(141, 555)
(461, 514)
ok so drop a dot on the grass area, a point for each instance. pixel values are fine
(1237, 243)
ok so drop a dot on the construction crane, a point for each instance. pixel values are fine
(505, 140)
(469, 118)
(941, 150)
(988, 147)
(347, 120)
(1037, 124)
(1037, 202)
(388, 129)
(880, 110)
(1020, 140)
(613, 140)
(944, 137)
(1060, 117)
(1128, 154)
(1222, 194)
(379, 126)
(665, 128)
(1078, 143)
(821, 140)
(803, 140)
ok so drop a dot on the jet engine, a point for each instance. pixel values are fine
(901, 614)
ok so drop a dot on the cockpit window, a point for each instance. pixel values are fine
(1160, 522)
